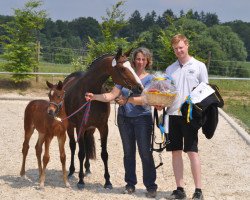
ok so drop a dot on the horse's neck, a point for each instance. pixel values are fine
(62, 112)
(96, 75)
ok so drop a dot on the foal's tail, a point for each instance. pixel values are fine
(89, 143)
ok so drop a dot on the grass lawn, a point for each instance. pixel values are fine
(237, 99)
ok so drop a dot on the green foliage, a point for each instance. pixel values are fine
(229, 41)
(109, 28)
(20, 41)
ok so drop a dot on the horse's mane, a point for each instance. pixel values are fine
(74, 74)
(99, 58)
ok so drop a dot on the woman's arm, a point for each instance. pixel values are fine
(105, 97)
(134, 100)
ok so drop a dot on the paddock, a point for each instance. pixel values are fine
(225, 163)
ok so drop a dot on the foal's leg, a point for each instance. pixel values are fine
(104, 154)
(72, 145)
(61, 141)
(28, 133)
(46, 158)
(39, 149)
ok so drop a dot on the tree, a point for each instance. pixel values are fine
(229, 41)
(210, 19)
(243, 30)
(109, 28)
(20, 44)
(134, 27)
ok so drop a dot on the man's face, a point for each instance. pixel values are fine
(181, 49)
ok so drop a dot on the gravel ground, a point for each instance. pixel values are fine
(225, 165)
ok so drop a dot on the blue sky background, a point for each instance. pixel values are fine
(227, 10)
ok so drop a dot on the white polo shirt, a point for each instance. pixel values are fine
(185, 78)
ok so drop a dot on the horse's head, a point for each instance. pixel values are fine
(123, 74)
(56, 98)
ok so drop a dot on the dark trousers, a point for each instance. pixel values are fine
(137, 130)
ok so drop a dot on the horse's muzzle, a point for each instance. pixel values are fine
(138, 89)
(51, 112)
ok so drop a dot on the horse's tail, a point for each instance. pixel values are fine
(89, 143)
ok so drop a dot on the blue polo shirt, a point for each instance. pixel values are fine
(129, 109)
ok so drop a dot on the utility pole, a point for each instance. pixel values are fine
(36, 69)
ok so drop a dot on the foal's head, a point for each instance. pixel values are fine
(56, 98)
(123, 74)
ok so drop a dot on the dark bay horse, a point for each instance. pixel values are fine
(119, 68)
(39, 115)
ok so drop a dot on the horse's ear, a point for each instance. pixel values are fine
(119, 53)
(59, 85)
(50, 85)
(128, 52)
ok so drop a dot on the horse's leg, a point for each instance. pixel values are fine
(81, 156)
(61, 141)
(90, 152)
(87, 167)
(39, 149)
(72, 145)
(28, 133)
(104, 154)
(46, 158)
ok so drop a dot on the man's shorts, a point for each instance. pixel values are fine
(182, 134)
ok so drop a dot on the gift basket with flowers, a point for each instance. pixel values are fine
(161, 91)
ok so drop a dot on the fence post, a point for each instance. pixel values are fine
(208, 60)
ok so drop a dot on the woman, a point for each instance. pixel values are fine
(135, 126)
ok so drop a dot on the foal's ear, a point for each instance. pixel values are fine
(128, 52)
(119, 53)
(59, 85)
(50, 85)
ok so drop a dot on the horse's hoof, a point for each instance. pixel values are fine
(70, 175)
(108, 186)
(80, 186)
(87, 173)
(67, 185)
(41, 186)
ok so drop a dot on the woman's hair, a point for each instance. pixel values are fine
(146, 53)
(179, 37)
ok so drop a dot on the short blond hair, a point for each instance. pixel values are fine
(146, 53)
(177, 38)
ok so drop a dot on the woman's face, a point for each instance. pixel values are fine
(140, 61)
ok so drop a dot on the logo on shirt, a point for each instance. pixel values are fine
(191, 71)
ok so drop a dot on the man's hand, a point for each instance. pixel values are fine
(158, 107)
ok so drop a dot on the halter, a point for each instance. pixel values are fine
(120, 73)
(58, 105)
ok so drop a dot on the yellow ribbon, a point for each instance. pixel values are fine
(159, 79)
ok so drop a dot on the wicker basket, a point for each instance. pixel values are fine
(159, 98)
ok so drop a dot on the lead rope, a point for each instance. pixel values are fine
(84, 119)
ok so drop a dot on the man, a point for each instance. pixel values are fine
(187, 73)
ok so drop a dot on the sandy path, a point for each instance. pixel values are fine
(225, 165)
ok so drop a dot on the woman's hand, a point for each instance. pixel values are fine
(89, 96)
(121, 100)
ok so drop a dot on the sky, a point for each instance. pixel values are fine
(226, 10)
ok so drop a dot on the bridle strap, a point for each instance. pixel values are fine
(119, 71)
(58, 106)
